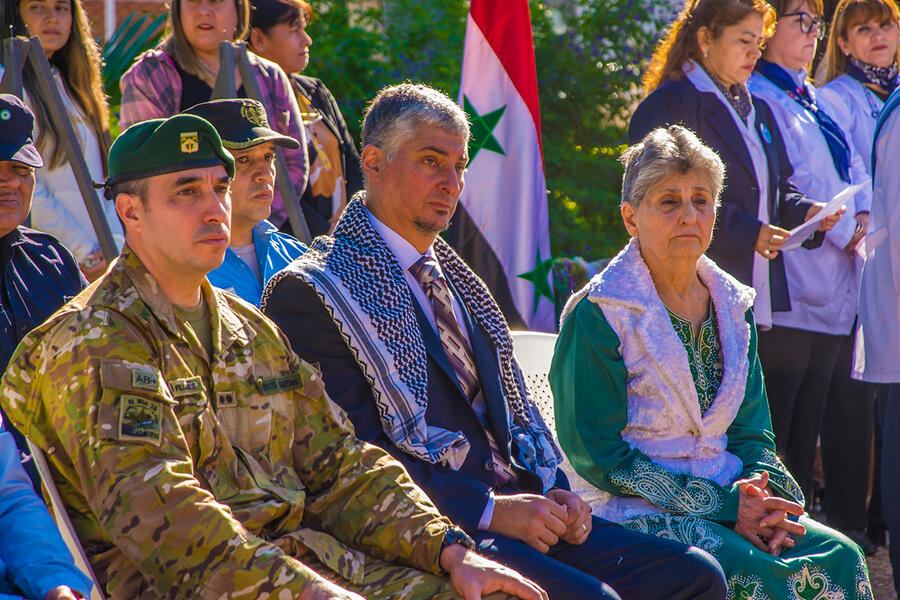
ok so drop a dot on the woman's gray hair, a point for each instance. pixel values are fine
(667, 151)
(398, 110)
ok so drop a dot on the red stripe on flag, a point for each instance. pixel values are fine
(506, 25)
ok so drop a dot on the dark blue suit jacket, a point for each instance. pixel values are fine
(737, 227)
(460, 495)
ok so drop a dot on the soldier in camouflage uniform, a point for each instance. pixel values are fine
(197, 455)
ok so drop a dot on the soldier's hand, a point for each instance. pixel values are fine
(473, 575)
(62, 592)
(322, 589)
(536, 520)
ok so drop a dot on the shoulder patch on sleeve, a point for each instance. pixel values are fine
(140, 419)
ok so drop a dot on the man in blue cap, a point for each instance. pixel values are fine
(257, 250)
(37, 276)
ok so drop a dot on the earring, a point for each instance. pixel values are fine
(706, 54)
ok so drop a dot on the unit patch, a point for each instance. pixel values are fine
(186, 386)
(272, 385)
(140, 419)
(146, 380)
(190, 142)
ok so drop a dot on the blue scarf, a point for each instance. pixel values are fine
(834, 136)
(881, 80)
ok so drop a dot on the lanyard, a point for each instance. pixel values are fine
(870, 96)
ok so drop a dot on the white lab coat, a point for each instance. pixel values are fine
(823, 281)
(856, 110)
(877, 352)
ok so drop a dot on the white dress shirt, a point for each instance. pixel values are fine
(407, 255)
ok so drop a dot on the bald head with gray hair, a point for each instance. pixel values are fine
(665, 151)
(397, 111)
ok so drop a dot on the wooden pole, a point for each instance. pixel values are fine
(226, 88)
(14, 52)
(70, 145)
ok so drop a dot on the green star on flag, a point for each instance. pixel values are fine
(538, 277)
(483, 129)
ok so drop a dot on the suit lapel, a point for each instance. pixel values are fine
(720, 119)
(771, 159)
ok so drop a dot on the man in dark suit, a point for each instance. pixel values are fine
(412, 345)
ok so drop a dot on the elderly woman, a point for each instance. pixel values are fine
(698, 78)
(660, 399)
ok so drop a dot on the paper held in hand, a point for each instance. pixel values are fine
(801, 233)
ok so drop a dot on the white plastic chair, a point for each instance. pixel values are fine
(534, 351)
(62, 520)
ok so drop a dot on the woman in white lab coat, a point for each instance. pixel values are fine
(860, 71)
(860, 67)
(799, 353)
(877, 353)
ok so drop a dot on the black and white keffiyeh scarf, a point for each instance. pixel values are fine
(363, 287)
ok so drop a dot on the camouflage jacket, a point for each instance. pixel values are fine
(187, 477)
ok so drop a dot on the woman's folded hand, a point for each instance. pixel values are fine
(763, 519)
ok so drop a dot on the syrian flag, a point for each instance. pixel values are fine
(501, 225)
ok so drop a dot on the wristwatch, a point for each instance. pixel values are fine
(455, 535)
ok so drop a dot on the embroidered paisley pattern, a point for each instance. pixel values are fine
(687, 530)
(746, 587)
(863, 587)
(681, 494)
(704, 356)
(812, 583)
(779, 475)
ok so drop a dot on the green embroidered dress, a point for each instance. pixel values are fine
(599, 403)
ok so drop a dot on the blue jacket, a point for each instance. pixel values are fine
(33, 557)
(39, 275)
(274, 251)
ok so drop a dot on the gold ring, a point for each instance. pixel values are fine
(583, 526)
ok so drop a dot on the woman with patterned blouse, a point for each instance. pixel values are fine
(659, 395)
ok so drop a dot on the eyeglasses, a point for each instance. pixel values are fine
(807, 21)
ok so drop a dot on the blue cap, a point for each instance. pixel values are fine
(17, 132)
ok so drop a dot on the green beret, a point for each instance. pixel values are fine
(161, 146)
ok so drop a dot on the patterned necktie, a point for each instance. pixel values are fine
(427, 273)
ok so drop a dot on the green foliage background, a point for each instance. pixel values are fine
(589, 61)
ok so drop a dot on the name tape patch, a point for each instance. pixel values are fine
(186, 386)
(140, 419)
(272, 385)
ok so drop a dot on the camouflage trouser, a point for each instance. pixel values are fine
(383, 580)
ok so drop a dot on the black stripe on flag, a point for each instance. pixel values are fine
(469, 243)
